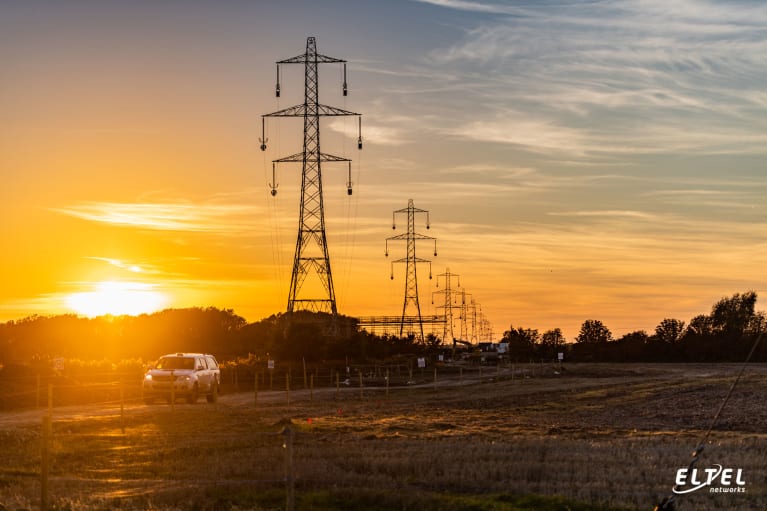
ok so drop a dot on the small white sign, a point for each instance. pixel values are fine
(441, 358)
(421, 362)
(270, 364)
(58, 364)
(560, 356)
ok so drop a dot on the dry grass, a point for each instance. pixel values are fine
(603, 435)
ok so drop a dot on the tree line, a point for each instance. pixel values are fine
(726, 334)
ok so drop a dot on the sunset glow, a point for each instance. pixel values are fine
(117, 299)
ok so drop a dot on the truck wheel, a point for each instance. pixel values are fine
(192, 397)
(213, 396)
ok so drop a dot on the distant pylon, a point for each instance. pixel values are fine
(411, 278)
(449, 303)
(311, 256)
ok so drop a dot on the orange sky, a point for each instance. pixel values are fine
(618, 178)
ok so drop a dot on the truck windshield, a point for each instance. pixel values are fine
(175, 363)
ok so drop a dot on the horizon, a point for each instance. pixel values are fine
(577, 161)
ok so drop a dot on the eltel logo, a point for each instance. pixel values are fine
(730, 480)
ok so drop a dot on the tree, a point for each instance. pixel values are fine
(552, 342)
(594, 331)
(732, 317)
(522, 342)
(632, 346)
(669, 331)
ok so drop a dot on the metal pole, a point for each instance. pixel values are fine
(290, 487)
(287, 386)
(50, 400)
(45, 461)
(122, 407)
(255, 391)
(172, 390)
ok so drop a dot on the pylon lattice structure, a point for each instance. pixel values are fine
(311, 283)
(449, 293)
(411, 307)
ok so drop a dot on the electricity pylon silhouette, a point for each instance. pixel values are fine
(311, 257)
(411, 261)
(448, 291)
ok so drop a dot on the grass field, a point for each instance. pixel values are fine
(607, 437)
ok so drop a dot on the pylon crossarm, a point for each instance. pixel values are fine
(301, 111)
(412, 259)
(299, 158)
(320, 59)
(409, 236)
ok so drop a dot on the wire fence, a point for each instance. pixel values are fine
(135, 462)
(118, 448)
(113, 387)
(128, 457)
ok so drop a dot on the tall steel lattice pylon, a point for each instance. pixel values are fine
(411, 306)
(311, 260)
(449, 303)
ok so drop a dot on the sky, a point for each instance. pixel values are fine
(579, 159)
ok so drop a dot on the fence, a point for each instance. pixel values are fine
(141, 446)
(82, 459)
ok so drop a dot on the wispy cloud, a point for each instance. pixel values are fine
(223, 218)
(617, 77)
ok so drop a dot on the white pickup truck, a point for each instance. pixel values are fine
(182, 375)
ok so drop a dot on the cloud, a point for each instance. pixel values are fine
(480, 7)
(170, 216)
(614, 77)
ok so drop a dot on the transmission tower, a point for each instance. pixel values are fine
(465, 311)
(449, 303)
(411, 261)
(311, 258)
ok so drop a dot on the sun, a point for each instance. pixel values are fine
(117, 298)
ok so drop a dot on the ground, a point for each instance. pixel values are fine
(522, 437)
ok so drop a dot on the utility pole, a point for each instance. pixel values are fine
(411, 278)
(311, 283)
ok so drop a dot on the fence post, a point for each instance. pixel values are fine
(290, 498)
(50, 400)
(338, 386)
(287, 386)
(122, 407)
(435, 379)
(45, 462)
(362, 396)
(311, 387)
(255, 391)
(387, 382)
(172, 390)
